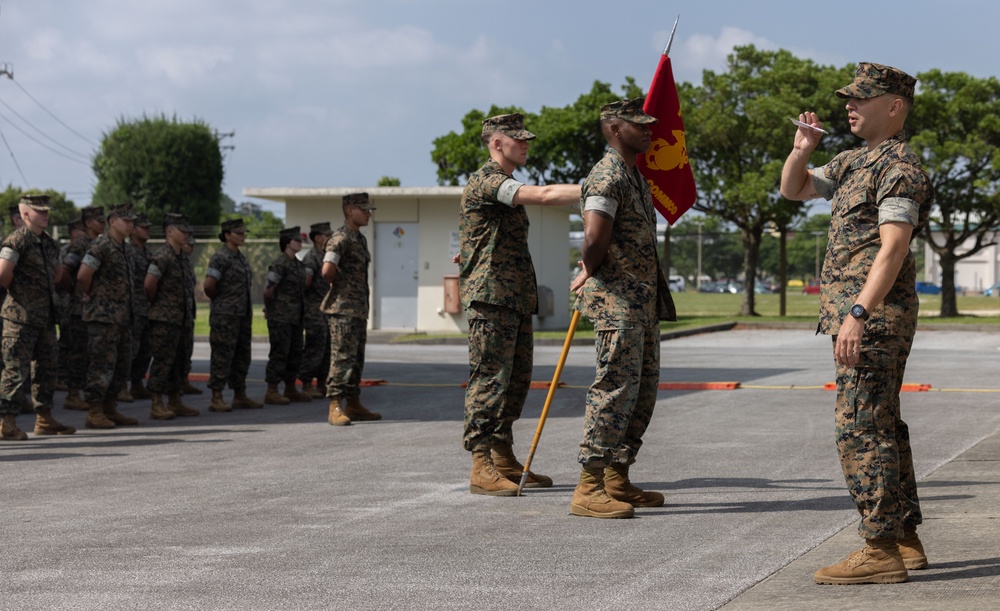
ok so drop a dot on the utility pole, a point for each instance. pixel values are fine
(222, 136)
(7, 70)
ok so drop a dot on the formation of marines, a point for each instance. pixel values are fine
(126, 311)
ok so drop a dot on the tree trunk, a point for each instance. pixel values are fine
(949, 306)
(751, 245)
(666, 252)
(782, 268)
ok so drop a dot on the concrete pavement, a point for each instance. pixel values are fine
(272, 508)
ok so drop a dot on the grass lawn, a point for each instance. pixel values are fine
(702, 309)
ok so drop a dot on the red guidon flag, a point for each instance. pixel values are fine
(665, 165)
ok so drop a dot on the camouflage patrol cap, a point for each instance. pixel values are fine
(629, 110)
(91, 213)
(291, 233)
(142, 220)
(76, 225)
(872, 80)
(358, 199)
(35, 202)
(323, 228)
(178, 220)
(122, 211)
(232, 225)
(511, 125)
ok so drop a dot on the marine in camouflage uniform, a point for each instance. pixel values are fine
(881, 199)
(284, 301)
(77, 365)
(170, 305)
(316, 355)
(63, 308)
(622, 291)
(227, 283)
(141, 350)
(345, 267)
(188, 347)
(498, 292)
(30, 271)
(105, 281)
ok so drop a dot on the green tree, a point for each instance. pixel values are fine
(738, 136)
(63, 210)
(805, 249)
(162, 165)
(388, 181)
(568, 143)
(955, 124)
(260, 223)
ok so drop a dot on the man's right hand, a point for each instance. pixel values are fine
(806, 139)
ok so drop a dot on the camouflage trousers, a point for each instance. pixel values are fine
(65, 348)
(873, 441)
(501, 347)
(142, 352)
(166, 341)
(110, 347)
(28, 351)
(316, 355)
(286, 352)
(187, 348)
(229, 338)
(620, 402)
(79, 353)
(347, 340)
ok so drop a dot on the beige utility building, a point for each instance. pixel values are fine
(413, 236)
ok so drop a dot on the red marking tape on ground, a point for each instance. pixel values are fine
(368, 382)
(544, 385)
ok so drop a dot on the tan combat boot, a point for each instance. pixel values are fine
(125, 396)
(292, 393)
(96, 418)
(356, 411)
(311, 391)
(176, 405)
(189, 389)
(485, 479)
(157, 410)
(73, 400)
(111, 412)
(9, 430)
(618, 487)
(218, 403)
(139, 391)
(242, 401)
(878, 561)
(45, 424)
(590, 499)
(273, 397)
(337, 417)
(912, 551)
(508, 466)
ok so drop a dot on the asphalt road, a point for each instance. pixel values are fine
(274, 509)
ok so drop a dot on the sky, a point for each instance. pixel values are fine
(337, 93)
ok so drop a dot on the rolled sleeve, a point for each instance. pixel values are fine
(331, 257)
(213, 273)
(823, 185)
(505, 194)
(10, 254)
(898, 210)
(600, 203)
(273, 277)
(92, 262)
(154, 270)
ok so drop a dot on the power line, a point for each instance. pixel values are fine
(16, 164)
(50, 138)
(42, 144)
(51, 114)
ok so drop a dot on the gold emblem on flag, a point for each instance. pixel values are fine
(665, 156)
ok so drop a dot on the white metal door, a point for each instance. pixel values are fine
(396, 276)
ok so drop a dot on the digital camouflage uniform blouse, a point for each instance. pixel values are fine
(173, 303)
(496, 265)
(286, 305)
(348, 294)
(32, 288)
(315, 293)
(111, 290)
(868, 189)
(624, 289)
(233, 279)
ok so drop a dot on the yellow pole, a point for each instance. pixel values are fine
(548, 399)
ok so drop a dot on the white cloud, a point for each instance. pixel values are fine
(184, 65)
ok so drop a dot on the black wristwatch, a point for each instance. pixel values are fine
(858, 311)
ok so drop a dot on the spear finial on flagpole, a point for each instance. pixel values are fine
(666, 50)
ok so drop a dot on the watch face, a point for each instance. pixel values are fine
(858, 311)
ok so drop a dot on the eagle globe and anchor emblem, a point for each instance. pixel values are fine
(664, 157)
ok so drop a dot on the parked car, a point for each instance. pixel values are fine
(676, 284)
(928, 288)
(993, 290)
(812, 288)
